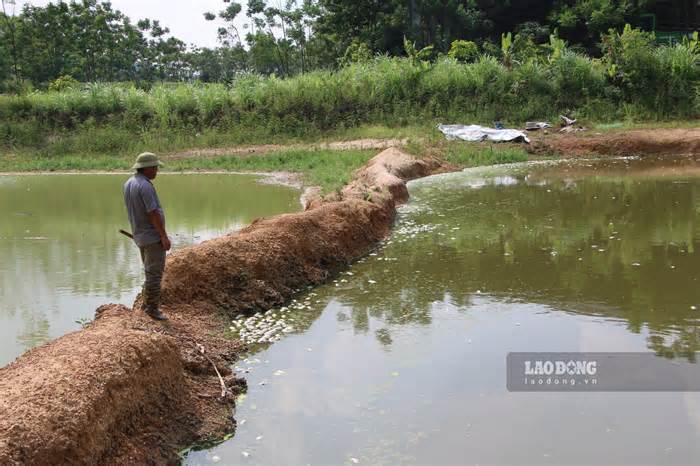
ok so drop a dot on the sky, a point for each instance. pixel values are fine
(185, 18)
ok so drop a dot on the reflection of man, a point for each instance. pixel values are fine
(148, 226)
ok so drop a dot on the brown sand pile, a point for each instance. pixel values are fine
(124, 390)
(130, 390)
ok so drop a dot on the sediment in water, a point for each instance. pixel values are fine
(130, 390)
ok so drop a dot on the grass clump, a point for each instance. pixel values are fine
(468, 155)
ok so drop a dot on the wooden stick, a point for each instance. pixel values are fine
(224, 390)
(126, 233)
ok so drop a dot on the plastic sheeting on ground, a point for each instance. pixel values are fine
(476, 133)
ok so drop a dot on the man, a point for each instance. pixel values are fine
(148, 226)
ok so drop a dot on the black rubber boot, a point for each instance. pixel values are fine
(156, 314)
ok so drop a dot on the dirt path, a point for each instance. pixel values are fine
(358, 144)
(622, 143)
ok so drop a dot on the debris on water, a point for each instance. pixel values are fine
(693, 308)
(241, 422)
(354, 460)
(259, 437)
(371, 282)
(215, 459)
(517, 324)
(636, 264)
(309, 349)
(263, 383)
(279, 372)
(245, 454)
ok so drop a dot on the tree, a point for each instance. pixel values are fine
(9, 35)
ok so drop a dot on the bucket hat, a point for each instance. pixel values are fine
(147, 159)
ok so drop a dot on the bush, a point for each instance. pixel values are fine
(463, 51)
(63, 83)
(635, 79)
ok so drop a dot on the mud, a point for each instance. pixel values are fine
(622, 143)
(129, 390)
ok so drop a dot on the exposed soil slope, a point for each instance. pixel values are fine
(130, 390)
(624, 143)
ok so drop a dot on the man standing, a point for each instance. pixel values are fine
(148, 226)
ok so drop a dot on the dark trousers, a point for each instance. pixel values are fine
(153, 258)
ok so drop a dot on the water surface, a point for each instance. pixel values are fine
(62, 255)
(401, 360)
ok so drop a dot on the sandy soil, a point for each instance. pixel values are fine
(621, 143)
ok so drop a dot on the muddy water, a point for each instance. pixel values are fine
(402, 360)
(62, 256)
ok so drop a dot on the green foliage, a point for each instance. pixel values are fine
(635, 79)
(463, 51)
(418, 57)
(63, 83)
(659, 79)
(357, 52)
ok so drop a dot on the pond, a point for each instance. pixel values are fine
(402, 358)
(62, 255)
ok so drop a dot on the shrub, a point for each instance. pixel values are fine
(63, 83)
(463, 51)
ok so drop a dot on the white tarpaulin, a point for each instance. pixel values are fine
(476, 133)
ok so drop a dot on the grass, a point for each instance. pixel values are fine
(465, 155)
(328, 169)
(380, 98)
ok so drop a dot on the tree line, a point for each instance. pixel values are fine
(90, 41)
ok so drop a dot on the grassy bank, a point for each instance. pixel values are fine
(634, 81)
(328, 169)
(325, 168)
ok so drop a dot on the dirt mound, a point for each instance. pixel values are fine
(130, 390)
(385, 176)
(264, 264)
(637, 142)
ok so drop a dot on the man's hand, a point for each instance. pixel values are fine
(157, 222)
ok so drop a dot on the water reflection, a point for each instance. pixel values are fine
(62, 255)
(612, 247)
(401, 359)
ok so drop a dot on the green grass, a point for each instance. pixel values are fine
(381, 98)
(328, 169)
(469, 155)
